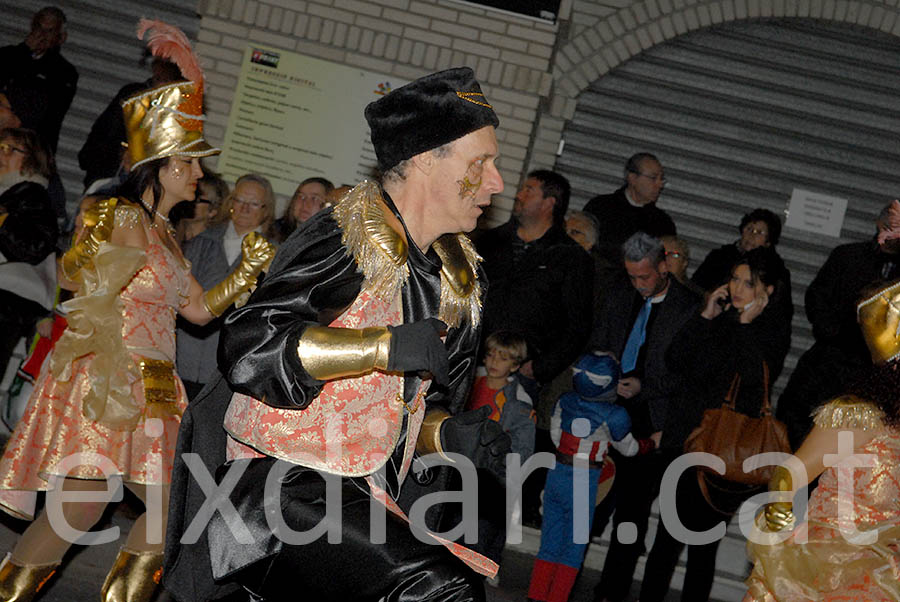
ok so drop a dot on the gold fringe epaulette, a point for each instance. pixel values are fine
(379, 251)
(849, 412)
(128, 215)
(460, 289)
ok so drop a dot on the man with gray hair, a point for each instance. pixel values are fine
(637, 322)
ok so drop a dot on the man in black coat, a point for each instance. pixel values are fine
(646, 388)
(632, 208)
(541, 288)
(35, 70)
(839, 352)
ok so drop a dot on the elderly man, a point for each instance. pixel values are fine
(353, 357)
(36, 72)
(632, 208)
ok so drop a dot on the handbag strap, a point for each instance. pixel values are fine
(732, 394)
(766, 409)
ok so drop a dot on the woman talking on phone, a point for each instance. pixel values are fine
(740, 329)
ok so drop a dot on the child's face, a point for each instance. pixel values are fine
(499, 364)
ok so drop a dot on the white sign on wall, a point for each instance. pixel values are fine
(816, 212)
(295, 116)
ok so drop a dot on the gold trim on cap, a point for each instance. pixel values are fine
(470, 97)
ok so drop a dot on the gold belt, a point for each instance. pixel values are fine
(158, 377)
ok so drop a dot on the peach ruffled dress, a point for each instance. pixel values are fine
(828, 567)
(142, 290)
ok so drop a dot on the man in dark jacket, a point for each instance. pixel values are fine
(340, 351)
(541, 288)
(839, 352)
(639, 320)
(541, 279)
(632, 208)
(36, 70)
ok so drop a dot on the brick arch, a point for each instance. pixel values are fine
(633, 29)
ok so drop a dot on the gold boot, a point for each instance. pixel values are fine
(133, 577)
(21, 583)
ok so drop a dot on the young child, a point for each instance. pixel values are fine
(585, 423)
(498, 387)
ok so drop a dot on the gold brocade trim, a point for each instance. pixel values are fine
(849, 412)
(381, 254)
(379, 251)
(460, 289)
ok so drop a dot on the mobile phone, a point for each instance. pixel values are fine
(724, 301)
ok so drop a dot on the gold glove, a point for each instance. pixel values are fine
(256, 254)
(780, 515)
(98, 225)
(429, 440)
(328, 353)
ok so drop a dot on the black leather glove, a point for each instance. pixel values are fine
(418, 346)
(482, 440)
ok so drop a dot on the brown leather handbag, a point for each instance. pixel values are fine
(734, 436)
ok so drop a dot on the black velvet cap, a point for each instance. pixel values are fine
(427, 113)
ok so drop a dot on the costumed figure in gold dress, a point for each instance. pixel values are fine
(107, 406)
(849, 546)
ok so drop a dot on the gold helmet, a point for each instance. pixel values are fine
(167, 120)
(879, 318)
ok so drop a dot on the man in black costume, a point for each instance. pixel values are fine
(340, 348)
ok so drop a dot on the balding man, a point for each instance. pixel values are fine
(36, 71)
(632, 208)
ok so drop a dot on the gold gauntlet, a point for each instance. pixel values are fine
(780, 515)
(328, 353)
(256, 253)
(98, 224)
(429, 440)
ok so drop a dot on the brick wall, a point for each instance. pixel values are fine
(511, 57)
(531, 71)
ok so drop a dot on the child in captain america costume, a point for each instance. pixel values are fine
(585, 423)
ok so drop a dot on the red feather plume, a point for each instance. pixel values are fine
(169, 42)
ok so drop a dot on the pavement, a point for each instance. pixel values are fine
(85, 567)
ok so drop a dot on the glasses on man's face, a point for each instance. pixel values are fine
(246, 203)
(7, 149)
(674, 254)
(653, 176)
(756, 232)
(311, 198)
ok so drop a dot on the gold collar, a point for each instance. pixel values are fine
(381, 253)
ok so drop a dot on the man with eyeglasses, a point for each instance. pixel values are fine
(632, 208)
(36, 71)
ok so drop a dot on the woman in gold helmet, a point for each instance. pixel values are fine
(106, 408)
(849, 546)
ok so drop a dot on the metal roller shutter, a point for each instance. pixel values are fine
(739, 115)
(103, 47)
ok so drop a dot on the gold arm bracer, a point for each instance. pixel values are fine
(328, 353)
(429, 440)
(98, 223)
(780, 515)
(256, 254)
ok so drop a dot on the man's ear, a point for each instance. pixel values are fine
(770, 289)
(424, 162)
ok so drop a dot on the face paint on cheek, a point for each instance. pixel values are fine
(178, 170)
(471, 182)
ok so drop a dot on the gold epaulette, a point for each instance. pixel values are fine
(128, 215)
(849, 411)
(381, 253)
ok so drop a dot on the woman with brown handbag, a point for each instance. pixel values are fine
(739, 331)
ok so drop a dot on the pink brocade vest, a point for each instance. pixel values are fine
(350, 429)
